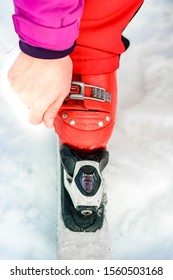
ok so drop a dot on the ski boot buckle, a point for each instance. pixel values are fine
(78, 90)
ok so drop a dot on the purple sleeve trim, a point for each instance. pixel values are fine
(44, 53)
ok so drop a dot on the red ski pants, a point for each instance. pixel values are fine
(100, 42)
(89, 124)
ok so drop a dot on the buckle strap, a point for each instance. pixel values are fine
(77, 92)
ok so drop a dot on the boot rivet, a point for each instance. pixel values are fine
(100, 124)
(108, 118)
(64, 115)
(72, 122)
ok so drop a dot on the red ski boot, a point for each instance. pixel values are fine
(87, 116)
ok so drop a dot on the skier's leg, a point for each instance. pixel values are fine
(88, 124)
(100, 42)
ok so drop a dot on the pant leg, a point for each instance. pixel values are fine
(100, 42)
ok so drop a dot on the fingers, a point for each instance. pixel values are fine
(37, 110)
(51, 113)
(35, 116)
(38, 114)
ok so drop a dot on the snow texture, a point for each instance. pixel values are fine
(139, 177)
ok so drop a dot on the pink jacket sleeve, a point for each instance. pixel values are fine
(49, 24)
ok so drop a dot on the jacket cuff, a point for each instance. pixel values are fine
(44, 53)
(46, 37)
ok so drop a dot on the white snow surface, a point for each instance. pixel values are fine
(139, 176)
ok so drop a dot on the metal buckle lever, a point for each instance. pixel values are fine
(98, 93)
(80, 95)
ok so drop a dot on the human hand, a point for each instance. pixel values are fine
(42, 85)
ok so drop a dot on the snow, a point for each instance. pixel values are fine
(139, 177)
